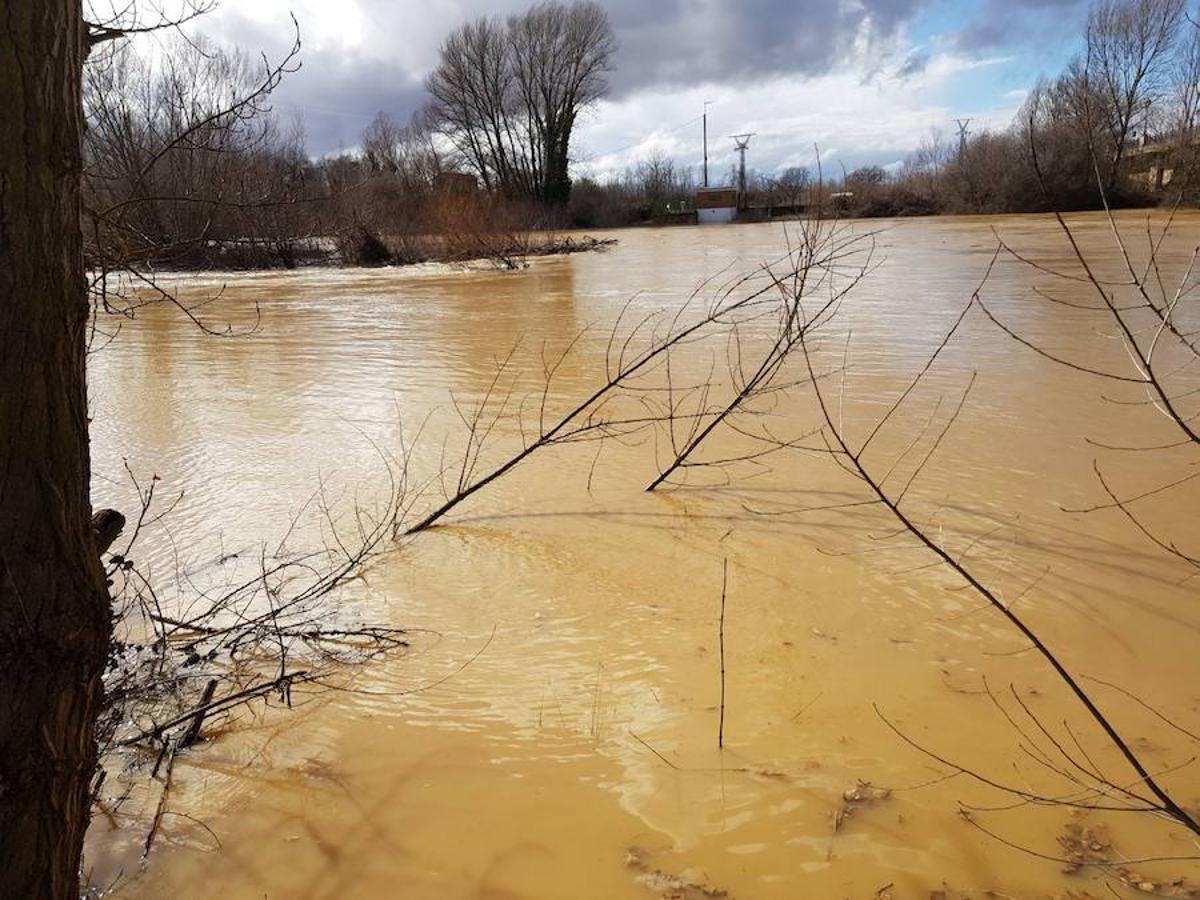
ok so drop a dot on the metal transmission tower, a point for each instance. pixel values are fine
(962, 135)
(741, 143)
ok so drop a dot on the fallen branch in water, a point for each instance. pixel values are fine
(721, 643)
(567, 245)
(193, 732)
(160, 809)
(241, 631)
(587, 419)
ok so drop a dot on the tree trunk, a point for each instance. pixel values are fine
(54, 611)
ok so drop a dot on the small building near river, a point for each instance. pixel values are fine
(716, 205)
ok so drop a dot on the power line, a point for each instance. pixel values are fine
(327, 110)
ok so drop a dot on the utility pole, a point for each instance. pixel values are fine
(706, 105)
(962, 136)
(741, 143)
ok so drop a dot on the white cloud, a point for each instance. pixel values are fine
(852, 116)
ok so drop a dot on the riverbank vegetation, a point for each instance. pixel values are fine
(187, 166)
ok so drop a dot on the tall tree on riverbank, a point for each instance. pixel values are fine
(1127, 69)
(56, 615)
(508, 95)
(54, 610)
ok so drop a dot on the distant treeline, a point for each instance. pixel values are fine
(186, 166)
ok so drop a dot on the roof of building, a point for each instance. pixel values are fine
(716, 197)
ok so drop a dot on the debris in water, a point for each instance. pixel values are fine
(1085, 846)
(670, 887)
(862, 794)
(1090, 846)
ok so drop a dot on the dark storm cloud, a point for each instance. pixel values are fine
(1007, 23)
(680, 43)
(663, 44)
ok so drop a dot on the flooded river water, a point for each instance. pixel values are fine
(576, 754)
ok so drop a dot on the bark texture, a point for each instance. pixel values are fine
(54, 611)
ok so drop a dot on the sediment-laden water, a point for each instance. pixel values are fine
(576, 755)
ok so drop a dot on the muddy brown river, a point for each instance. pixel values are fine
(552, 731)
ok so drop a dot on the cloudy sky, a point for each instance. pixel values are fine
(862, 80)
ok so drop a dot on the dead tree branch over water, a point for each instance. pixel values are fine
(1092, 787)
(632, 354)
(829, 263)
(1155, 322)
(851, 459)
(721, 644)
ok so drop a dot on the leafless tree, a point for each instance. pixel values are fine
(178, 149)
(508, 95)
(1130, 50)
(55, 619)
(925, 165)
(405, 152)
(55, 614)
(791, 187)
(561, 54)
(1183, 110)
(280, 217)
(657, 179)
